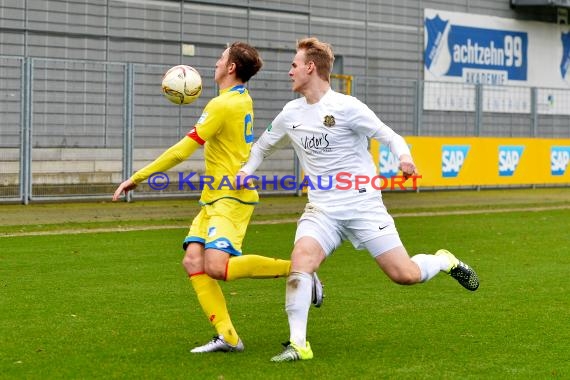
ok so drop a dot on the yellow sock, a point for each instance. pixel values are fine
(255, 266)
(213, 303)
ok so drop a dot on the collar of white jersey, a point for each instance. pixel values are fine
(327, 94)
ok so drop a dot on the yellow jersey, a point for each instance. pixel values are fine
(225, 129)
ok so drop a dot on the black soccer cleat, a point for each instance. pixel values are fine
(465, 275)
(460, 271)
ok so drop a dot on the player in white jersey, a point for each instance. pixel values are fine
(329, 133)
(330, 137)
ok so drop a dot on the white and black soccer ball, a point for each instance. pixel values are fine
(182, 84)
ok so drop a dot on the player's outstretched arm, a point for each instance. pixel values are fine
(266, 145)
(124, 187)
(170, 158)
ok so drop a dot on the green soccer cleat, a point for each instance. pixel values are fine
(218, 344)
(292, 352)
(460, 271)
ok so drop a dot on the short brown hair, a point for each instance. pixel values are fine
(246, 58)
(320, 53)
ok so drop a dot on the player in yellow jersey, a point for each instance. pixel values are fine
(213, 244)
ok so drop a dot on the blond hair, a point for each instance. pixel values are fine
(320, 53)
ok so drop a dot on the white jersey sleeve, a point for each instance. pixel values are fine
(272, 139)
(369, 124)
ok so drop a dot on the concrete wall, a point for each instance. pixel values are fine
(81, 48)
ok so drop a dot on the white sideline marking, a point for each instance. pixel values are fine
(279, 221)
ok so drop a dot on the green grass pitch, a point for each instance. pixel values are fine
(117, 305)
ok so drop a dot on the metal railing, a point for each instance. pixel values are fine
(72, 129)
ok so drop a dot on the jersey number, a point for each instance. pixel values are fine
(248, 129)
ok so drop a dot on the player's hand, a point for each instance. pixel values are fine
(407, 166)
(241, 182)
(124, 187)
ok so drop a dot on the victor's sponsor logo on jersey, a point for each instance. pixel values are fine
(452, 159)
(509, 158)
(389, 164)
(318, 142)
(559, 158)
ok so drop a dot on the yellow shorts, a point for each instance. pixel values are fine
(221, 225)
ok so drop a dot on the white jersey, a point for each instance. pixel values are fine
(330, 138)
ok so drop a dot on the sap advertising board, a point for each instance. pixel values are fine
(508, 56)
(483, 161)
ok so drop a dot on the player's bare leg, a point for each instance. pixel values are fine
(402, 269)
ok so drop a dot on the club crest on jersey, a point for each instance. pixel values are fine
(329, 121)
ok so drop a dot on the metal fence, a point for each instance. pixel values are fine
(74, 129)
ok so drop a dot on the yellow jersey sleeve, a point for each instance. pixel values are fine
(170, 158)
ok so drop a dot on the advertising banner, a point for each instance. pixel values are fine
(507, 56)
(481, 161)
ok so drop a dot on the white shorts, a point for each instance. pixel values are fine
(372, 229)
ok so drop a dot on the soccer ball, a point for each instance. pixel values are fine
(182, 84)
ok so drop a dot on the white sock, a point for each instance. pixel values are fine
(430, 265)
(298, 297)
